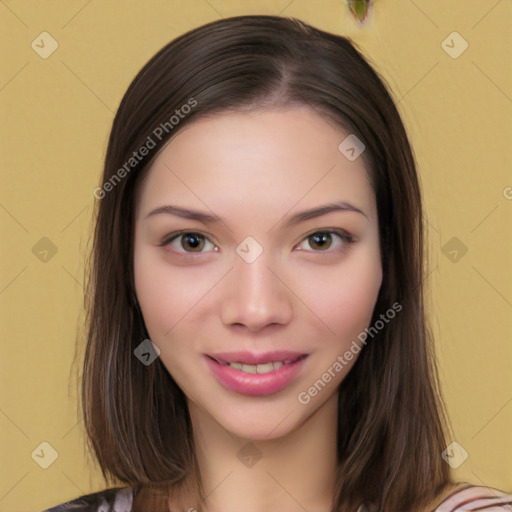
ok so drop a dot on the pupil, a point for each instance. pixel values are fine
(320, 239)
(195, 240)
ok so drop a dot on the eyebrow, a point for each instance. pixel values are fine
(207, 218)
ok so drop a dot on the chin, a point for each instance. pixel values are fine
(266, 430)
(252, 418)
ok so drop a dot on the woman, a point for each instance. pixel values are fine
(256, 330)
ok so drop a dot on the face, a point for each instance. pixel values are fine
(248, 280)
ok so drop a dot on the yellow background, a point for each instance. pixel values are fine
(57, 113)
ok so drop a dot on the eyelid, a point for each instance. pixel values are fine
(346, 238)
(166, 240)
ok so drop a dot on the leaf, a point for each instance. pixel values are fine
(359, 9)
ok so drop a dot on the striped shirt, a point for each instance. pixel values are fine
(467, 498)
(481, 499)
(464, 499)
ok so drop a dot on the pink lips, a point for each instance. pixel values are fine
(254, 384)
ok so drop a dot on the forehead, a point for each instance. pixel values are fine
(266, 159)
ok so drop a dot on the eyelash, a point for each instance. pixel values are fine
(346, 238)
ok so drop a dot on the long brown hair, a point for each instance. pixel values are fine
(392, 430)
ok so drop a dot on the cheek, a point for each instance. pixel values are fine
(346, 300)
(165, 295)
(156, 300)
(161, 298)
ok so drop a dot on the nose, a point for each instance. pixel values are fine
(255, 296)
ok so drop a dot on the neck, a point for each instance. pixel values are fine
(292, 473)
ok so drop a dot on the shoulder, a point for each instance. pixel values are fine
(467, 497)
(118, 499)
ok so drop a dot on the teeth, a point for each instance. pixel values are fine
(265, 368)
(257, 368)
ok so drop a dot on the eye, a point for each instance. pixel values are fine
(192, 242)
(188, 240)
(321, 241)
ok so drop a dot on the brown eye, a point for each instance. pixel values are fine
(322, 241)
(193, 241)
(188, 242)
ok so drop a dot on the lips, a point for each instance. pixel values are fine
(255, 374)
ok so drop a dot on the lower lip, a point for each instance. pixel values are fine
(254, 384)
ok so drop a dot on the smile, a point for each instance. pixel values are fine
(257, 368)
(263, 378)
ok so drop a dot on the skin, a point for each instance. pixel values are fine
(255, 170)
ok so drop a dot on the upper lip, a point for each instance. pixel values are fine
(250, 358)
